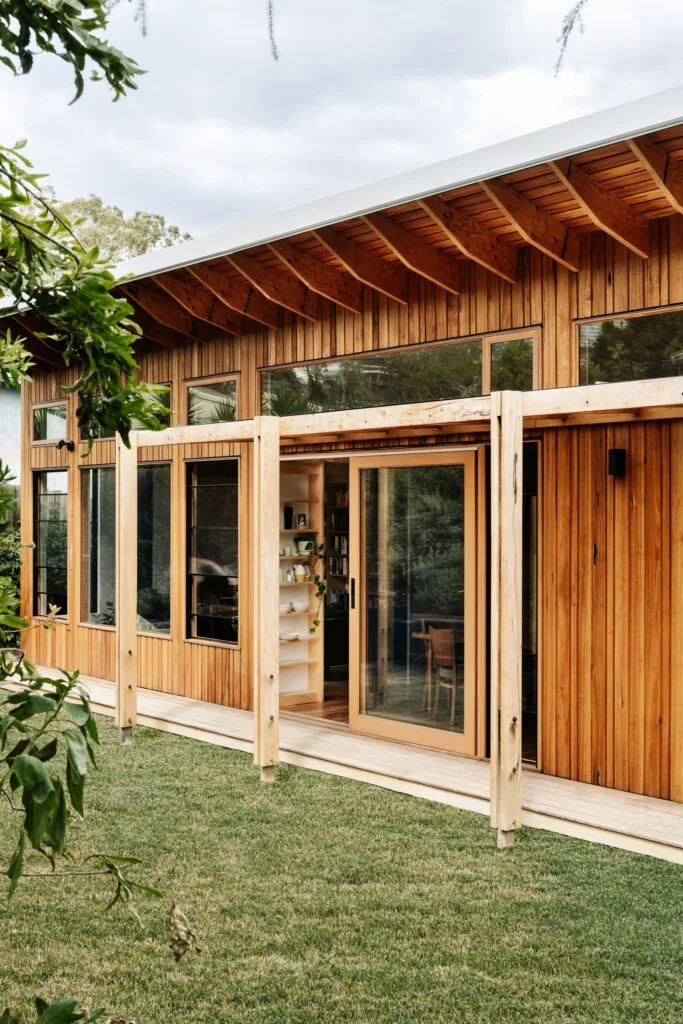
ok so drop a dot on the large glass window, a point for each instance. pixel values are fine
(423, 374)
(50, 534)
(512, 365)
(214, 402)
(49, 422)
(212, 550)
(631, 348)
(154, 549)
(163, 399)
(98, 581)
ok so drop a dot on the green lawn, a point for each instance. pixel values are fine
(325, 900)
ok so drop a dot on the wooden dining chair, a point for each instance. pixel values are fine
(442, 643)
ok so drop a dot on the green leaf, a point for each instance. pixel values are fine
(77, 750)
(32, 704)
(75, 784)
(60, 817)
(47, 752)
(16, 865)
(62, 1012)
(91, 729)
(33, 776)
(37, 817)
(77, 713)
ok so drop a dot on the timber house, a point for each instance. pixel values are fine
(417, 516)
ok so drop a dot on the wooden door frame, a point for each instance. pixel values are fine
(462, 743)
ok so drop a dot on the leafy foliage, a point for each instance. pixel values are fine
(44, 268)
(116, 236)
(70, 29)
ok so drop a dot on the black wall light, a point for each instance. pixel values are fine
(69, 445)
(616, 462)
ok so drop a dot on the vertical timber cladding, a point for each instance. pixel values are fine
(612, 607)
(610, 280)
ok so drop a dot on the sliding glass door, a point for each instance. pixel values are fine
(413, 620)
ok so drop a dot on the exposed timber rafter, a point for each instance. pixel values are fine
(416, 254)
(335, 285)
(237, 294)
(283, 290)
(606, 210)
(199, 302)
(25, 327)
(157, 333)
(372, 270)
(664, 169)
(536, 227)
(159, 306)
(473, 241)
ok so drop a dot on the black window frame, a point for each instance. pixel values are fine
(192, 616)
(38, 522)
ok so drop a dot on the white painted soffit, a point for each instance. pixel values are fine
(649, 114)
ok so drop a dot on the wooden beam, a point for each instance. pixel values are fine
(535, 226)
(279, 288)
(159, 306)
(152, 331)
(335, 285)
(21, 327)
(199, 433)
(422, 414)
(199, 302)
(665, 170)
(126, 585)
(506, 614)
(237, 294)
(597, 398)
(267, 582)
(372, 270)
(606, 210)
(421, 257)
(473, 240)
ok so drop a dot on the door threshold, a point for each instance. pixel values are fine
(302, 716)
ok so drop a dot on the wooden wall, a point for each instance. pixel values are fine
(611, 586)
(611, 605)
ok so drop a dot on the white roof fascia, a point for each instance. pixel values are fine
(649, 114)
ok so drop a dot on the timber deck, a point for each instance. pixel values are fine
(640, 824)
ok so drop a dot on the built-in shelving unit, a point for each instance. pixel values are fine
(337, 565)
(301, 659)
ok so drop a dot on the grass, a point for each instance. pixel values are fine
(325, 900)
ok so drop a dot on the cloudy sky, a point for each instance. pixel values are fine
(218, 131)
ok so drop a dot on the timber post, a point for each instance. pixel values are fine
(506, 613)
(126, 585)
(266, 594)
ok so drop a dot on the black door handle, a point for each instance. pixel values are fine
(353, 592)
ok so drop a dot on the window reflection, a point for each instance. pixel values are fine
(631, 348)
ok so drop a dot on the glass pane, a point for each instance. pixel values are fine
(212, 403)
(50, 536)
(637, 348)
(512, 365)
(99, 547)
(213, 547)
(154, 549)
(413, 544)
(49, 423)
(163, 400)
(429, 374)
